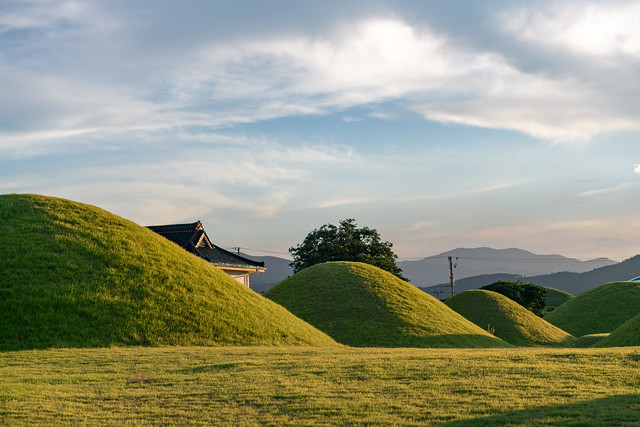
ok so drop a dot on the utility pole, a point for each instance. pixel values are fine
(452, 280)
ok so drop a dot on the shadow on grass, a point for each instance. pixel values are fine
(610, 411)
(208, 368)
(403, 338)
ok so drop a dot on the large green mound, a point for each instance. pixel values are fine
(589, 340)
(73, 275)
(507, 319)
(627, 334)
(361, 305)
(598, 310)
(554, 298)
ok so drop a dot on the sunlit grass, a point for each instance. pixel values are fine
(599, 310)
(361, 305)
(589, 340)
(307, 386)
(74, 275)
(627, 334)
(554, 298)
(507, 319)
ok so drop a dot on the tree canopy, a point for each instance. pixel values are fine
(528, 295)
(346, 242)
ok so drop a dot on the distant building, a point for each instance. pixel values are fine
(194, 239)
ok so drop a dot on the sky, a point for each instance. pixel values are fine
(440, 124)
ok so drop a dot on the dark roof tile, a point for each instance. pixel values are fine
(188, 235)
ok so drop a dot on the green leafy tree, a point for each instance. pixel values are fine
(528, 295)
(346, 242)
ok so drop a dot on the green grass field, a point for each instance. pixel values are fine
(73, 275)
(311, 386)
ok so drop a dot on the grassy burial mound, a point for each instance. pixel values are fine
(554, 298)
(73, 275)
(627, 334)
(598, 310)
(361, 305)
(589, 340)
(507, 319)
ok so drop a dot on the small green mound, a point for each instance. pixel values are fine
(361, 305)
(589, 340)
(598, 310)
(554, 298)
(73, 275)
(507, 319)
(627, 334)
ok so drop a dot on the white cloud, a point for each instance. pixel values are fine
(84, 90)
(370, 61)
(386, 59)
(636, 169)
(587, 28)
(29, 14)
(421, 225)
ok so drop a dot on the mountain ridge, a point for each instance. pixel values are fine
(434, 270)
(503, 264)
(571, 282)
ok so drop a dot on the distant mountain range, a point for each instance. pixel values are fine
(572, 282)
(480, 261)
(481, 266)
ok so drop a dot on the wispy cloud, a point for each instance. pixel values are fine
(615, 189)
(472, 191)
(253, 177)
(421, 225)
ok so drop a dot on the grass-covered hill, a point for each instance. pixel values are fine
(361, 305)
(73, 275)
(627, 334)
(598, 310)
(578, 283)
(554, 298)
(589, 340)
(507, 319)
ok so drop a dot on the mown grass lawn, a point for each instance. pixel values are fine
(305, 386)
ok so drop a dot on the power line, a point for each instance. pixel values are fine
(533, 260)
(497, 259)
(256, 250)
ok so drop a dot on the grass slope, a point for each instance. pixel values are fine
(361, 305)
(589, 340)
(598, 310)
(627, 334)
(73, 275)
(554, 298)
(509, 320)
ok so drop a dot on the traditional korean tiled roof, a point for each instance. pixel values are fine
(194, 239)
(180, 234)
(224, 258)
